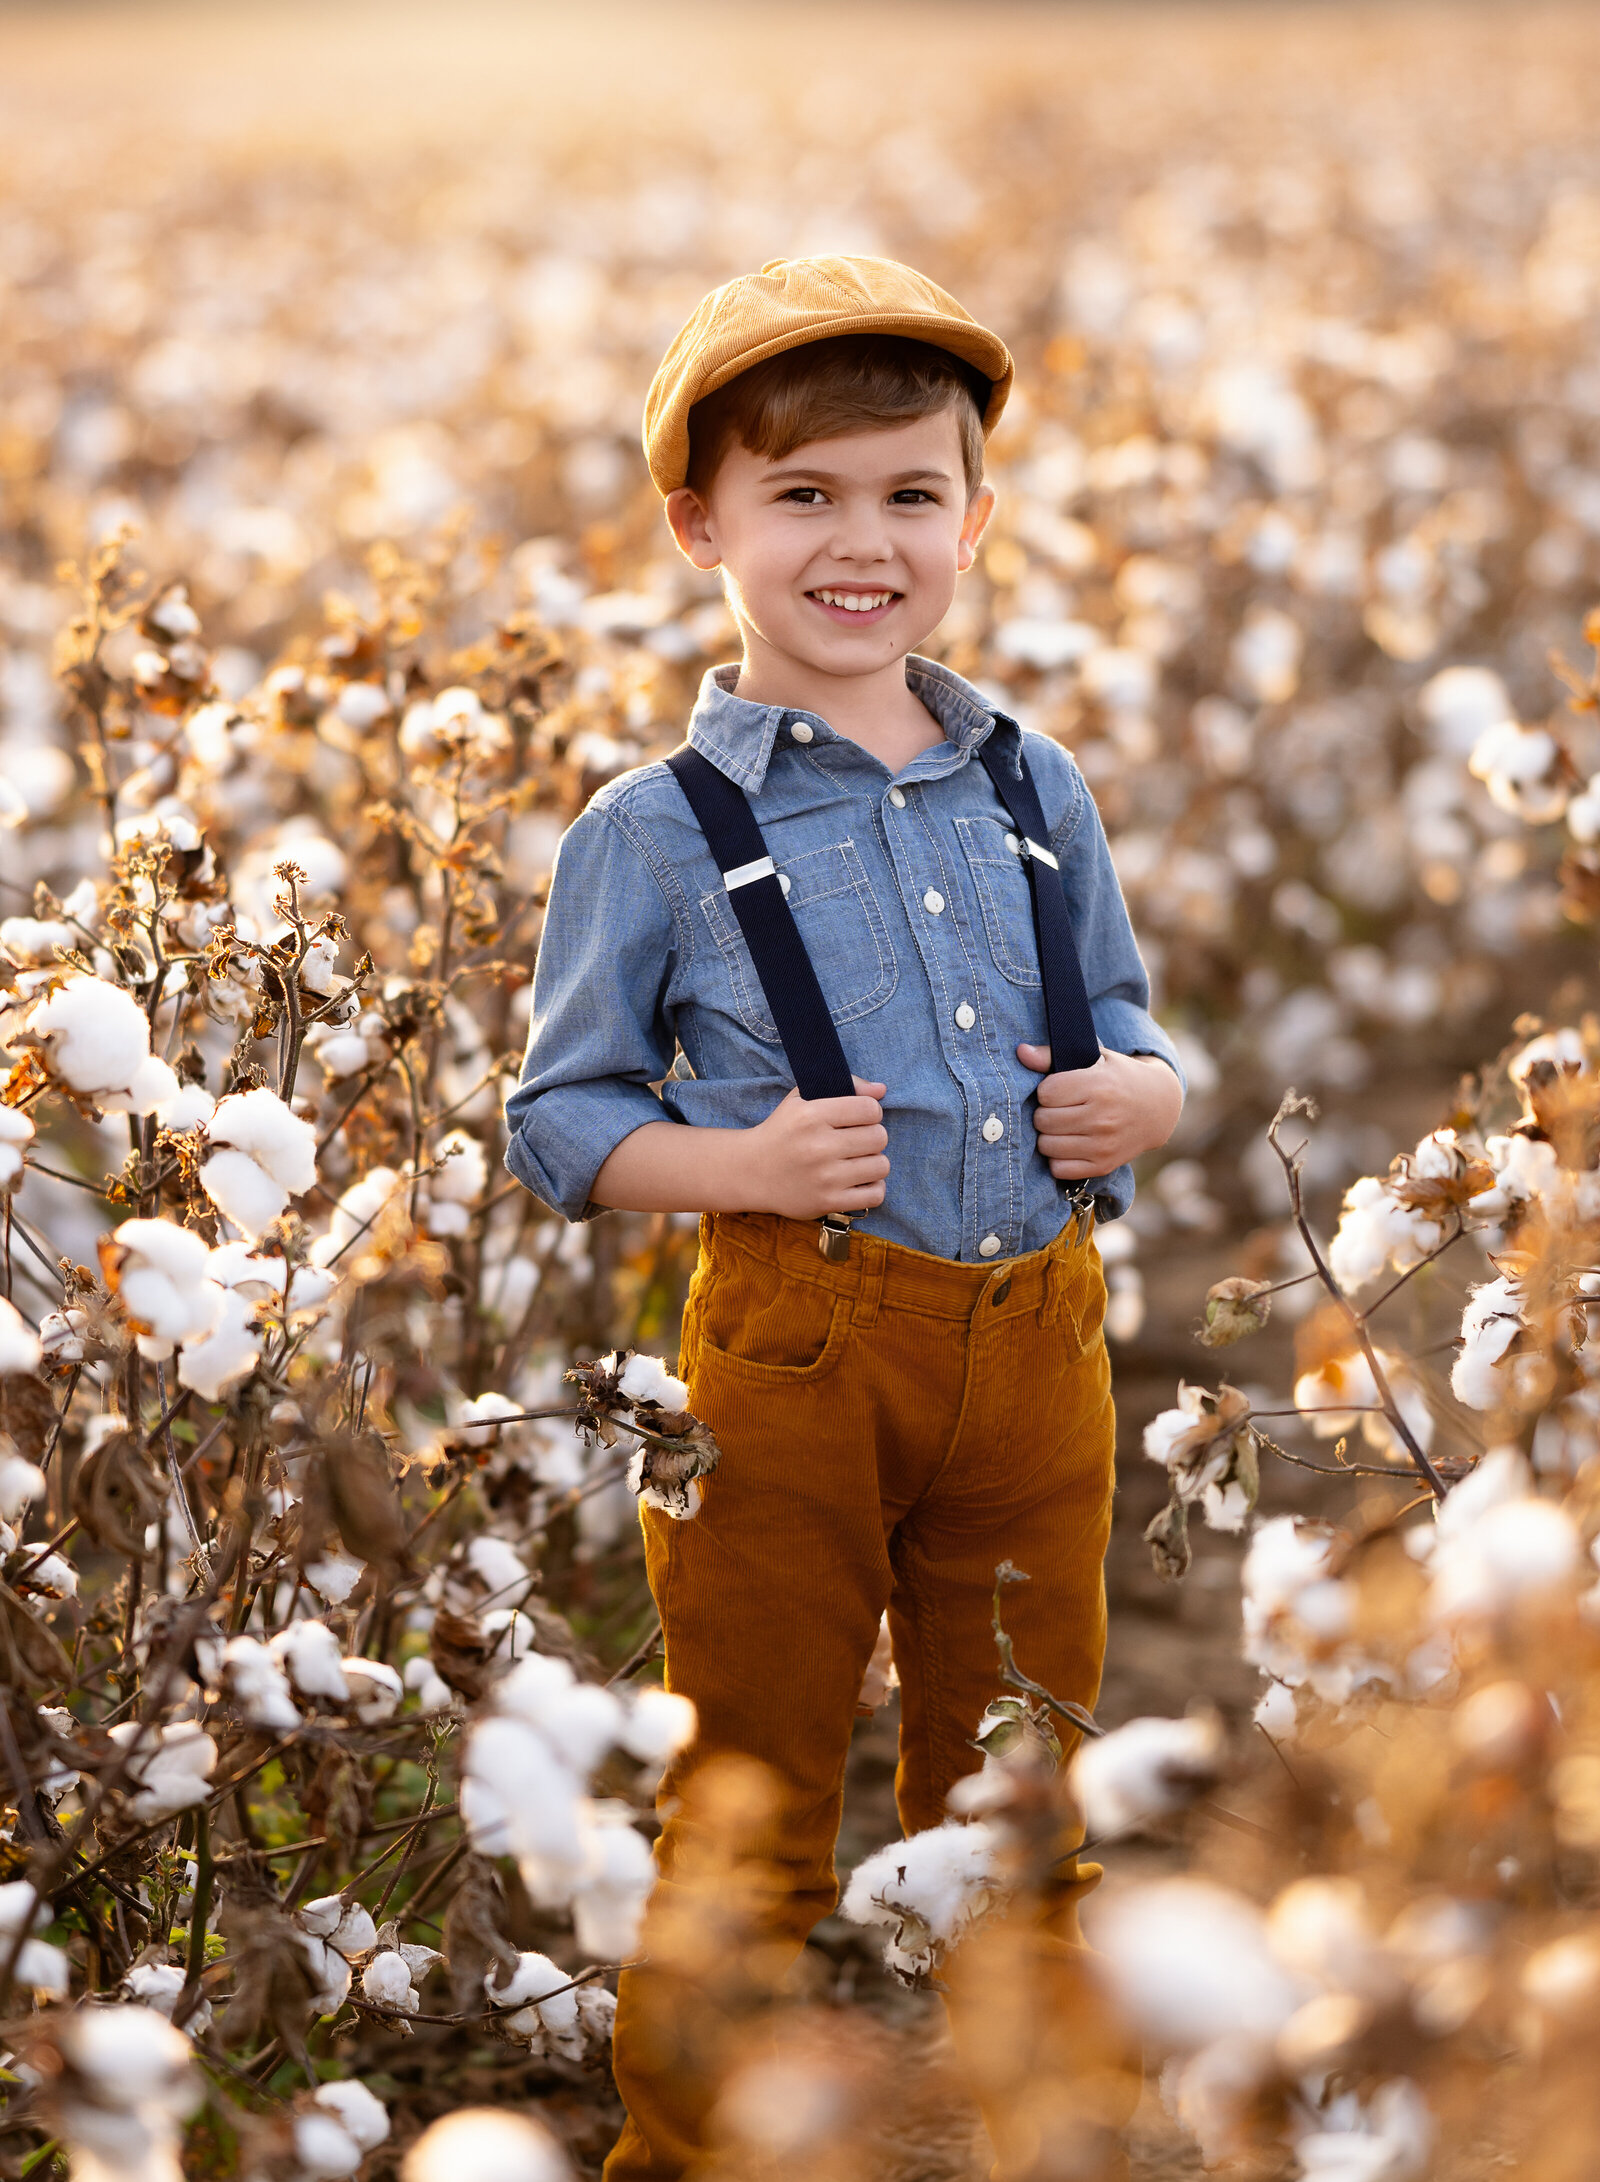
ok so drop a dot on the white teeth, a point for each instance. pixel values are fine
(855, 602)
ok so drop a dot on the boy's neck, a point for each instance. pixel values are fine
(879, 711)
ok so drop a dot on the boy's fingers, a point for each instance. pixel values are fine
(856, 1113)
(869, 1090)
(1073, 1087)
(1035, 1057)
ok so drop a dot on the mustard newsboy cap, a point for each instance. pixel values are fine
(788, 303)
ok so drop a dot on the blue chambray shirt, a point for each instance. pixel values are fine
(915, 911)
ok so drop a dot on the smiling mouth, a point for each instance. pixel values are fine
(858, 605)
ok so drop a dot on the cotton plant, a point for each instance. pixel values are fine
(525, 1773)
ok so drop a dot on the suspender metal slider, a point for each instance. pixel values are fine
(833, 1237)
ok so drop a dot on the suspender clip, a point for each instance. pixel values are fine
(833, 1237)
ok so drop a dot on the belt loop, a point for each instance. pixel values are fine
(1055, 1283)
(869, 1289)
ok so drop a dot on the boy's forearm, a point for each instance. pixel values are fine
(667, 1166)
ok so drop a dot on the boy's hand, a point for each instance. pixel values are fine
(812, 1156)
(1090, 1120)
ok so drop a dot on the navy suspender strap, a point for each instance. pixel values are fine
(1073, 1042)
(767, 922)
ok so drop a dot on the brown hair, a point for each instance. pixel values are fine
(826, 389)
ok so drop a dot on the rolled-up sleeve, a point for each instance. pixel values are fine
(598, 1037)
(1119, 988)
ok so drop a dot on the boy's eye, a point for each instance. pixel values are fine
(805, 496)
(909, 495)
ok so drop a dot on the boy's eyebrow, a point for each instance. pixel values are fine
(831, 477)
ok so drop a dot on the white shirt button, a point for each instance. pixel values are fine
(993, 1129)
(801, 732)
(933, 901)
(784, 881)
(897, 796)
(989, 1247)
(1013, 844)
(966, 1016)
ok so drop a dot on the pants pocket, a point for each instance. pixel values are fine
(754, 1323)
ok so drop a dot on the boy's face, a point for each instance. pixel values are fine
(842, 556)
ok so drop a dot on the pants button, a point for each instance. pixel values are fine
(1002, 1291)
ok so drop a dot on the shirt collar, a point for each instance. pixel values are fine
(739, 736)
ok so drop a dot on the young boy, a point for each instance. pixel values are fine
(894, 1325)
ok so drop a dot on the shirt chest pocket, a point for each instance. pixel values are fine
(843, 929)
(1004, 897)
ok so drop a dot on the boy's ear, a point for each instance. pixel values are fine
(973, 525)
(691, 528)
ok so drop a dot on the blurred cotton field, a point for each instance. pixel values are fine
(331, 586)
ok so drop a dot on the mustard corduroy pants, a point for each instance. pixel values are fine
(891, 1428)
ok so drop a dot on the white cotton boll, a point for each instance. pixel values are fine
(534, 1985)
(927, 1887)
(1583, 819)
(309, 1652)
(150, 1086)
(1226, 1507)
(97, 1034)
(343, 1052)
(361, 704)
(1264, 660)
(258, 1685)
(364, 2117)
(1144, 1771)
(1189, 1961)
(159, 1985)
(498, 1565)
(316, 972)
(647, 1379)
(62, 1336)
(190, 1106)
(375, 1688)
(356, 1213)
(236, 1265)
(34, 939)
(659, 1724)
(20, 1482)
(44, 1968)
(244, 1192)
(54, 1577)
(355, 1932)
(20, 1347)
(1277, 1714)
(386, 1980)
(258, 1122)
(1525, 1169)
(464, 1174)
(486, 2144)
(1460, 704)
(1519, 767)
(172, 1769)
(226, 1354)
(530, 1805)
(335, 1576)
(617, 1876)
(477, 1418)
(1389, 2139)
(1490, 1323)
(582, 1723)
(449, 1222)
(1319, 1929)
(137, 2083)
(321, 1917)
(324, 2149)
(330, 1974)
(1165, 1433)
(533, 1684)
(21, 1908)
